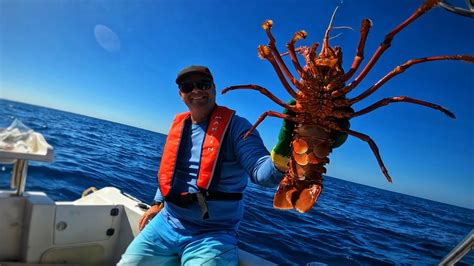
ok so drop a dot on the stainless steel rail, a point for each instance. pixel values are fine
(461, 250)
(468, 12)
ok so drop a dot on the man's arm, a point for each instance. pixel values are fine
(253, 156)
(154, 209)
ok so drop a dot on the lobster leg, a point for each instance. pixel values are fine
(401, 68)
(264, 115)
(364, 31)
(312, 51)
(291, 50)
(267, 25)
(264, 52)
(374, 149)
(390, 100)
(263, 91)
(427, 5)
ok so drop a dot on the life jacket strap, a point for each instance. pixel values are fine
(202, 203)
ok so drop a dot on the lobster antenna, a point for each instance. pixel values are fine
(326, 36)
(342, 27)
(334, 37)
(339, 34)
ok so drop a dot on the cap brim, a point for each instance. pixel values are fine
(185, 75)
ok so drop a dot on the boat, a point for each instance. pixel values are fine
(92, 230)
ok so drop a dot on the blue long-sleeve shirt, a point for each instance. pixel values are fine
(241, 159)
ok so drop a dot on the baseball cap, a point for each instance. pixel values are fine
(193, 69)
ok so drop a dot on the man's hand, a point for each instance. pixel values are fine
(149, 214)
(281, 152)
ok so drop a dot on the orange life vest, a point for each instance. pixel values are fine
(218, 124)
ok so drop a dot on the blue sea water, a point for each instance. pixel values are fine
(351, 224)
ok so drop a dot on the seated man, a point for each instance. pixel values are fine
(203, 173)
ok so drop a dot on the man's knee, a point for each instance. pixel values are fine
(212, 258)
(140, 260)
(220, 249)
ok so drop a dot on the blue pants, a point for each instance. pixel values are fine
(161, 244)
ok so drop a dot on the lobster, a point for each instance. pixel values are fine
(322, 108)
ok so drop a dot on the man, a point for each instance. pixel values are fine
(204, 170)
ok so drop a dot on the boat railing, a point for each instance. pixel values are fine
(20, 166)
(18, 145)
(461, 250)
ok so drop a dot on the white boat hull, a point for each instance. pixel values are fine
(93, 230)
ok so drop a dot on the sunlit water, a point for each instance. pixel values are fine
(351, 224)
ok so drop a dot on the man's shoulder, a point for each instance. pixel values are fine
(240, 125)
(240, 122)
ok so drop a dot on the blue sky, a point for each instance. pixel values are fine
(117, 60)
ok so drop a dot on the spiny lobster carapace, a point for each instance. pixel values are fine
(322, 108)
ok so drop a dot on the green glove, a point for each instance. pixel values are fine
(281, 152)
(338, 136)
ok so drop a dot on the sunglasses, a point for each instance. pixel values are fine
(188, 86)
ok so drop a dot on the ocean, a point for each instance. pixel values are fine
(352, 224)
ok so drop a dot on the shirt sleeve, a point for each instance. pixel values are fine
(253, 155)
(158, 196)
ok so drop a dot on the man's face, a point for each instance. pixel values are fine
(202, 95)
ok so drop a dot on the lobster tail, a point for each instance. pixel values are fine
(308, 197)
(302, 185)
(299, 195)
(284, 194)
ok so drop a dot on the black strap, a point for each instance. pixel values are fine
(202, 203)
(186, 199)
(218, 195)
